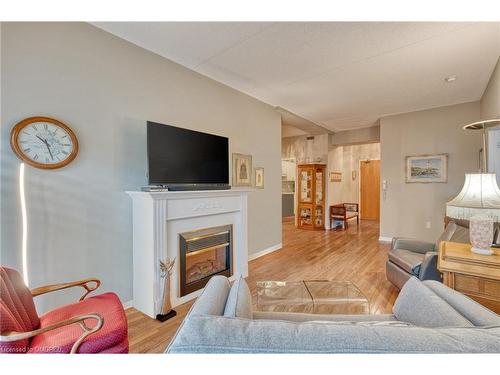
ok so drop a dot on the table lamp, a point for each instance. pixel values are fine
(479, 201)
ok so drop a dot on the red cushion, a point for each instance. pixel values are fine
(121, 348)
(112, 337)
(17, 310)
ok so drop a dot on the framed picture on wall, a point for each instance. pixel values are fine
(259, 178)
(242, 170)
(427, 168)
(335, 176)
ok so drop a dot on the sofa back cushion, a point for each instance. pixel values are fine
(461, 234)
(212, 299)
(420, 306)
(220, 334)
(239, 301)
(17, 309)
(455, 231)
(467, 307)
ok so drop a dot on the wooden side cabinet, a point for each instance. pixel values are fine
(311, 196)
(477, 276)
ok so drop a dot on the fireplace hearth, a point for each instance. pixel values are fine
(203, 254)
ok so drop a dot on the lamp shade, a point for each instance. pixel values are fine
(480, 195)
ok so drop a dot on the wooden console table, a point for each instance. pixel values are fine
(477, 276)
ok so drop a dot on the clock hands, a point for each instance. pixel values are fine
(46, 144)
(50, 152)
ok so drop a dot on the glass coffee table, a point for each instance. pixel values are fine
(313, 297)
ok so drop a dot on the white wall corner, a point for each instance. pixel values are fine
(265, 251)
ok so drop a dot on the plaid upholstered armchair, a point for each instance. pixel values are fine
(91, 325)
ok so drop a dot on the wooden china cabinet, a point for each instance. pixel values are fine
(311, 196)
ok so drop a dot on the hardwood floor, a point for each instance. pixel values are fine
(355, 255)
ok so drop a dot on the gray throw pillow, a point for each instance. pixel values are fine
(239, 301)
(420, 306)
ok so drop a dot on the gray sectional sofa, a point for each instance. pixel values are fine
(428, 317)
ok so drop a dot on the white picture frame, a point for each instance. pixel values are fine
(426, 168)
(242, 170)
(259, 178)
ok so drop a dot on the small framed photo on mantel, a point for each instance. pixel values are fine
(242, 170)
(427, 168)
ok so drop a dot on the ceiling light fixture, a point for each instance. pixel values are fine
(450, 79)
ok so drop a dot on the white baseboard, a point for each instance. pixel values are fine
(128, 304)
(385, 239)
(265, 251)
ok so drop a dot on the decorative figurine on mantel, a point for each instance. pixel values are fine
(166, 308)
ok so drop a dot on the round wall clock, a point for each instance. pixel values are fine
(44, 142)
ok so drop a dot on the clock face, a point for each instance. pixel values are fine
(44, 142)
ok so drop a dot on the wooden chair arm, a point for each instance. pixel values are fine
(52, 288)
(80, 319)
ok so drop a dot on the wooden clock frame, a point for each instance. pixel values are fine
(16, 130)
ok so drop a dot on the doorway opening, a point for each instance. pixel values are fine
(288, 177)
(354, 181)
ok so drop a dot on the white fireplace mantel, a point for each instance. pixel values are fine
(159, 217)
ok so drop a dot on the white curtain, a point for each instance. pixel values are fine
(494, 152)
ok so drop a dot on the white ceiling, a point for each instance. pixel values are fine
(291, 131)
(293, 125)
(340, 75)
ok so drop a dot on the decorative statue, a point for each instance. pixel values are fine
(166, 308)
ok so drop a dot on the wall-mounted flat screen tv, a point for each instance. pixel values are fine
(179, 156)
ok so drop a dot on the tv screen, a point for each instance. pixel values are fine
(182, 156)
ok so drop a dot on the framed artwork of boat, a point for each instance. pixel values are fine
(427, 168)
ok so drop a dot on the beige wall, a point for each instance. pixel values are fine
(79, 217)
(345, 159)
(356, 136)
(305, 151)
(291, 131)
(490, 102)
(406, 208)
(1, 142)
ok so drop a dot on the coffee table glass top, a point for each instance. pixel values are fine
(314, 297)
